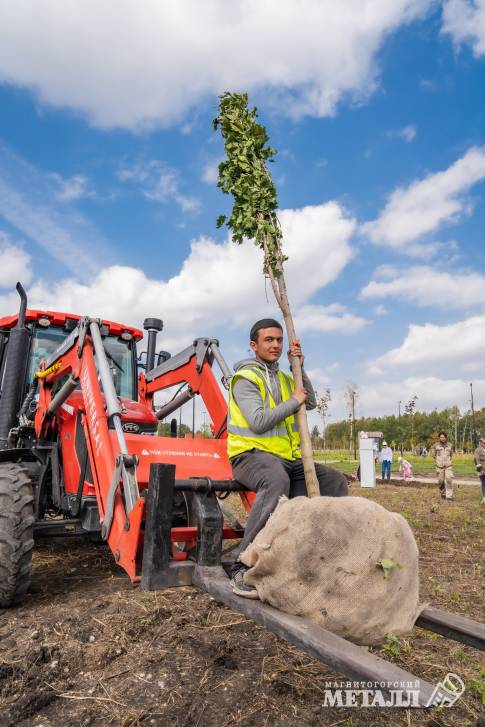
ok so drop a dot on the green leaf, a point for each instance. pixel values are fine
(388, 565)
(245, 176)
(220, 221)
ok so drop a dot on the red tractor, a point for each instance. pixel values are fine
(80, 454)
(78, 445)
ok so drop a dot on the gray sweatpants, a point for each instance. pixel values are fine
(271, 477)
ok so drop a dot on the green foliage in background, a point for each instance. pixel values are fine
(422, 427)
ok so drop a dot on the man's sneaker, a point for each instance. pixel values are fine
(240, 588)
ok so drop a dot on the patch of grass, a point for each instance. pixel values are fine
(342, 459)
(460, 656)
(478, 685)
(437, 587)
(395, 646)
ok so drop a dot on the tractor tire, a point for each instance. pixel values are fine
(16, 533)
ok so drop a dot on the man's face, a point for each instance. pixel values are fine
(269, 345)
(443, 438)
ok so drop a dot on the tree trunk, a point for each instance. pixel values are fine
(279, 288)
(312, 485)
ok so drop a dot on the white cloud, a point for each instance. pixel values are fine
(464, 20)
(320, 378)
(29, 202)
(427, 204)
(407, 133)
(426, 84)
(325, 319)
(457, 346)
(159, 183)
(380, 310)
(150, 63)
(382, 397)
(210, 172)
(218, 286)
(433, 392)
(72, 188)
(14, 263)
(425, 286)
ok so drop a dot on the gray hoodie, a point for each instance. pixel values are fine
(248, 397)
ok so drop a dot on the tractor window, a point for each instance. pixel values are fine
(119, 354)
(44, 342)
(120, 361)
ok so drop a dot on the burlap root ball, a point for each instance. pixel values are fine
(319, 558)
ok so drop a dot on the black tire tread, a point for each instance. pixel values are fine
(16, 532)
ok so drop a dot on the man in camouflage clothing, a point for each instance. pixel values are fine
(442, 451)
(479, 457)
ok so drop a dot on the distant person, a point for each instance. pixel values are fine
(405, 468)
(385, 458)
(424, 452)
(479, 457)
(442, 452)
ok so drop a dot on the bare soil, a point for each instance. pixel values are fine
(88, 648)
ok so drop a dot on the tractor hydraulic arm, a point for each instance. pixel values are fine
(192, 366)
(120, 506)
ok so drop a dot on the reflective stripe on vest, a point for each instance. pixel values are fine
(283, 440)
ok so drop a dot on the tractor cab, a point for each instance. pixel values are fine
(47, 330)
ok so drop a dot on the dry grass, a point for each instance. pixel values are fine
(110, 654)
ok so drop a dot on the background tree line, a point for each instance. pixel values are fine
(414, 429)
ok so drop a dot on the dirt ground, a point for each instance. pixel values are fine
(87, 648)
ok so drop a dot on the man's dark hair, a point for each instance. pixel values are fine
(263, 323)
(440, 433)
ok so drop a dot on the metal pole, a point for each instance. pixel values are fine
(180, 422)
(353, 424)
(226, 371)
(112, 404)
(64, 392)
(130, 485)
(174, 404)
(193, 417)
(399, 427)
(474, 431)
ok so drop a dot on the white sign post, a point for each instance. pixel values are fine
(368, 450)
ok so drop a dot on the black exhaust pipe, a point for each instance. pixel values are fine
(153, 326)
(14, 384)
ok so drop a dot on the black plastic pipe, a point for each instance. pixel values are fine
(14, 383)
(153, 326)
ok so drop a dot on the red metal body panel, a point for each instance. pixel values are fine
(192, 457)
(67, 417)
(203, 383)
(59, 319)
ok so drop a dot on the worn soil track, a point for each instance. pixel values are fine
(87, 648)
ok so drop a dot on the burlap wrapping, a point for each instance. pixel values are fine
(318, 558)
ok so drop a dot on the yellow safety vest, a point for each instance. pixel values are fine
(283, 439)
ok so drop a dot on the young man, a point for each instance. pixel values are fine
(263, 441)
(442, 451)
(479, 456)
(385, 457)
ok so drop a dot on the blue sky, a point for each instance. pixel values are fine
(108, 198)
